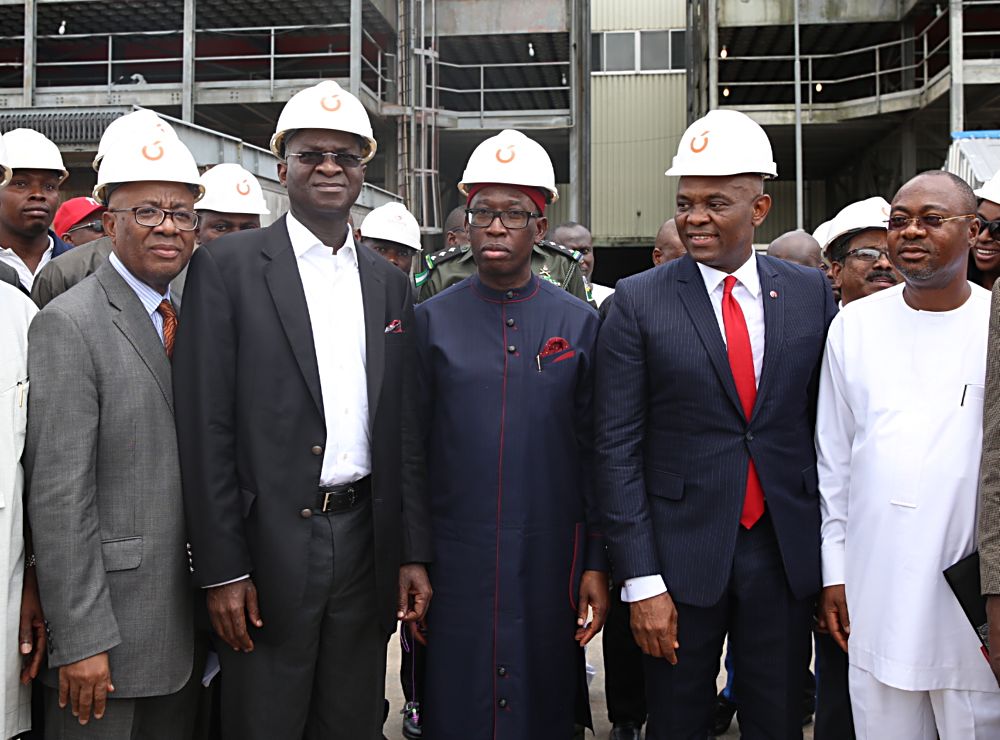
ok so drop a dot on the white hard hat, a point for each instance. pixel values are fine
(870, 213)
(5, 171)
(28, 149)
(821, 231)
(990, 189)
(724, 142)
(231, 189)
(510, 158)
(392, 222)
(132, 124)
(146, 158)
(324, 106)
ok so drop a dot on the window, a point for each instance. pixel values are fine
(631, 52)
(619, 52)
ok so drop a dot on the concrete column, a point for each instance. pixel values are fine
(355, 78)
(907, 150)
(187, 65)
(579, 102)
(713, 54)
(957, 60)
(30, 24)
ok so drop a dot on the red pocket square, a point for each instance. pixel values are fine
(554, 346)
(394, 327)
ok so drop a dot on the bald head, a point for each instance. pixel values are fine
(668, 245)
(798, 247)
(455, 234)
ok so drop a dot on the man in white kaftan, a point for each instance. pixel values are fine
(898, 437)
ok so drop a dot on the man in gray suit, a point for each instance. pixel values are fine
(103, 474)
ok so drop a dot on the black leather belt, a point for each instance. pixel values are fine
(337, 499)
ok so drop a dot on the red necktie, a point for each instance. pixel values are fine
(741, 362)
(166, 309)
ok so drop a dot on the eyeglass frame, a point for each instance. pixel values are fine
(96, 225)
(344, 160)
(500, 214)
(854, 253)
(920, 221)
(163, 217)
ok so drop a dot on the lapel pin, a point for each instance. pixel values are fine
(774, 294)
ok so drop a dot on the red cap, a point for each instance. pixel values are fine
(536, 194)
(73, 211)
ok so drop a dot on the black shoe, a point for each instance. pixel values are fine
(624, 731)
(723, 715)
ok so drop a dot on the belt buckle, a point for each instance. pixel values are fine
(326, 500)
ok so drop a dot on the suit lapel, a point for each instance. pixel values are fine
(281, 273)
(699, 307)
(373, 297)
(774, 323)
(129, 315)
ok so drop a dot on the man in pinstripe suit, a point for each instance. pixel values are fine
(707, 377)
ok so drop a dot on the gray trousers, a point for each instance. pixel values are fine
(327, 680)
(169, 717)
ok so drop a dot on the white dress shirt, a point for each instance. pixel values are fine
(747, 294)
(10, 257)
(600, 292)
(147, 296)
(332, 285)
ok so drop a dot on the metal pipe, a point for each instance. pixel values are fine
(956, 118)
(355, 68)
(28, 77)
(187, 63)
(798, 126)
(713, 54)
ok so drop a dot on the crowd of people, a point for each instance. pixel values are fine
(236, 460)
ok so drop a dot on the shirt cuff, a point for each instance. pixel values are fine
(643, 587)
(226, 583)
(833, 565)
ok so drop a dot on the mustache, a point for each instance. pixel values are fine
(878, 274)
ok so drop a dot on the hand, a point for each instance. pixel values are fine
(654, 626)
(31, 634)
(86, 684)
(229, 607)
(593, 596)
(418, 631)
(993, 618)
(414, 592)
(832, 616)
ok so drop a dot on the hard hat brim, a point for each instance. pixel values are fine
(100, 190)
(679, 170)
(463, 188)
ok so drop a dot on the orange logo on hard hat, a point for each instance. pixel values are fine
(704, 144)
(504, 160)
(243, 188)
(331, 106)
(153, 157)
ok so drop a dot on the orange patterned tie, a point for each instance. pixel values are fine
(166, 310)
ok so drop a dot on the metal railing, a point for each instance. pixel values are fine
(315, 58)
(485, 91)
(884, 70)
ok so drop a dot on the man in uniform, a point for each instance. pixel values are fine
(78, 221)
(28, 203)
(552, 262)
(505, 362)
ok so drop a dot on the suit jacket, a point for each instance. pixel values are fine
(251, 424)
(63, 272)
(989, 474)
(674, 445)
(104, 489)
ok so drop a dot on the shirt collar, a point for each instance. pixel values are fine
(746, 275)
(45, 254)
(303, 240)
(148, 297)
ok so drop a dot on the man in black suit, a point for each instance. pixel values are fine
(707, 377)
(290, 370)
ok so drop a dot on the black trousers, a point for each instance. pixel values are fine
(624, 681)
(412, 664)
(327, 679)
(771, 636)
(834, 719)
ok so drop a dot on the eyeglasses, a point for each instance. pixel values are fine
(930, 221)
(993, 227)
(481, 218)
(314, 159)
(95, 226)
(151, 217)
(867, 254)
